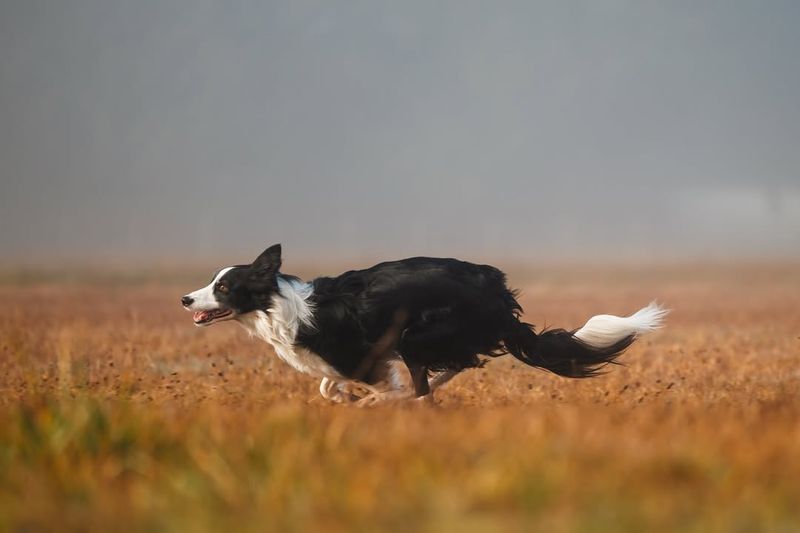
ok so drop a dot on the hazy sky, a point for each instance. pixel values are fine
(188, 128)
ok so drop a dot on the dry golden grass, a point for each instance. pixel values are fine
(116, 413)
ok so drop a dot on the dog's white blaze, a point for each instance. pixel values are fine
(602, 331)
(278, 326)
(204, 299)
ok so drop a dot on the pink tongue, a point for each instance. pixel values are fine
(200, 315)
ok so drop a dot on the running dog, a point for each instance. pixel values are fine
(435, 316)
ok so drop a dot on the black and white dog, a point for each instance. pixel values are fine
(437, 316)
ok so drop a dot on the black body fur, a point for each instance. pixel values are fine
(452, 311)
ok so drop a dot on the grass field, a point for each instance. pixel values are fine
(116, 413)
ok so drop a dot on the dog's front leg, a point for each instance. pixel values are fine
(329, 390)
(441, 378)
(345, 391)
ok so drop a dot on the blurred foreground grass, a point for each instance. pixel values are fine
(81, 463)
(117, 414)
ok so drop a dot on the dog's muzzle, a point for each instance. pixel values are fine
(203, 318)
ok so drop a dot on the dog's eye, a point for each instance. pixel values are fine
(221, 287)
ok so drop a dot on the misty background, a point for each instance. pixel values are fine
(191, 129)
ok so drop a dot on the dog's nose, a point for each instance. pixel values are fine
(186, 301)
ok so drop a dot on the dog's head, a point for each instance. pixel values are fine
(236, 290)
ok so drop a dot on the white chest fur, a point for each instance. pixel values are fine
(279, 327)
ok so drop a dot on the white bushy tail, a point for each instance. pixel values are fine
(602, 331)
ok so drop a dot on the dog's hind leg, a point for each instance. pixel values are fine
(385, 397)
(435, 382)
(420, 384)
(420, 388)
(441, 378)
(419, 378)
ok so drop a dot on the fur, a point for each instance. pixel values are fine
(602, 331)
(435, 316)
(279, 324)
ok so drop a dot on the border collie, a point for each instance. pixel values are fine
(435, 316)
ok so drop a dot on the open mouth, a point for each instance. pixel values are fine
(202, 318)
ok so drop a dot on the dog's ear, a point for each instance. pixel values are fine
(269, 261)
